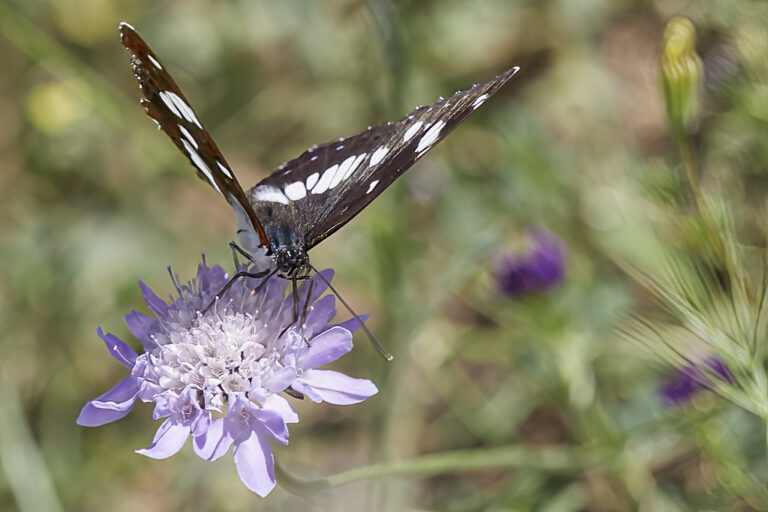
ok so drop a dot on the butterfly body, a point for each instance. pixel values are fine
(307, 199)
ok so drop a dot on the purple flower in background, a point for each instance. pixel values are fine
(217, 376)
(539, 268)
(690, 379)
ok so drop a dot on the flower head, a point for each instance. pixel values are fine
(218, 376)
(689, 380)
(541, 267)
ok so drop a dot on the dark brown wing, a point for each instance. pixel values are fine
(327, 185)
(164, 102)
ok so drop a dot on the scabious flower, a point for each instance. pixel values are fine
(218, 376)
(538, 269)
(681, 387)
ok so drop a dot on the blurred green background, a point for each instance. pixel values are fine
(94, 198)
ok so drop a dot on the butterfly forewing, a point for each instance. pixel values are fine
(166, 104)
(329, 184)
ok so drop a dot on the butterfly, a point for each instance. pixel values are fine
(310, 197)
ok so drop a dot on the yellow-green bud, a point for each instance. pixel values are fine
(681, 75)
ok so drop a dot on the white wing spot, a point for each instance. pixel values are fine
(270, 194)
(166, 97)
(154, 61)
(188, 135)
(325, 180)
(343, 168)
(430, 137)
(339, 147)
(479, 101)
(313, 158)
(378, 156)
(372, 186)
(225, 170)
(354, 166)
(200, 164)
(312, 179)
(185, 110)
(410, 132)
(295, 191)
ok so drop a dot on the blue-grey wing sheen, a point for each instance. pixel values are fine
(327, 185)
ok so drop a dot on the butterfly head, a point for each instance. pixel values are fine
(291, 262)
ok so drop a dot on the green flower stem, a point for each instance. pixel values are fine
(690, 170)
(713, 233)
(551, 458)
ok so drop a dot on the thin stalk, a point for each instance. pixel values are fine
(698, 197)
(557, 459)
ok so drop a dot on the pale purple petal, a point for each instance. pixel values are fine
(280, 380)
(271, 422)
(201, 425)
(214, 443)
(334, 387)
(155, 303)
(163, 405)
(255, 464)
(235, 424)
(141, 325)
(353, 324)
(211, 279)
(169, 439)
(307, 390)
(320, 314)
(319, 286)
(111, 406)
(281, 406)
(325, 348)
(119, 349)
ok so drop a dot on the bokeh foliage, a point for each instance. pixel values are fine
(94, 198)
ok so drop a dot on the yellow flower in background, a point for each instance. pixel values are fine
(53, 107)
(681, 75)
(85, 22)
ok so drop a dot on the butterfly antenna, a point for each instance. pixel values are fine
(378, 346)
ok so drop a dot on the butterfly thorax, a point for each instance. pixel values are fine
(291, 261)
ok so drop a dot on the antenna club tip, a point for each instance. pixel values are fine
(389, 358)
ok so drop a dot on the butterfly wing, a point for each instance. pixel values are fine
(327, 185)
(164, 102)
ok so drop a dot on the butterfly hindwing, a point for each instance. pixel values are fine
(166, 104)
(327, 185)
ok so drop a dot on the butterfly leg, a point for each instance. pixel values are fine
(305, 310)
(236, 248)
(232, 246)
(263, 282)
(239, 275)
(295, 307)
(295, 300)
(305, 307)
